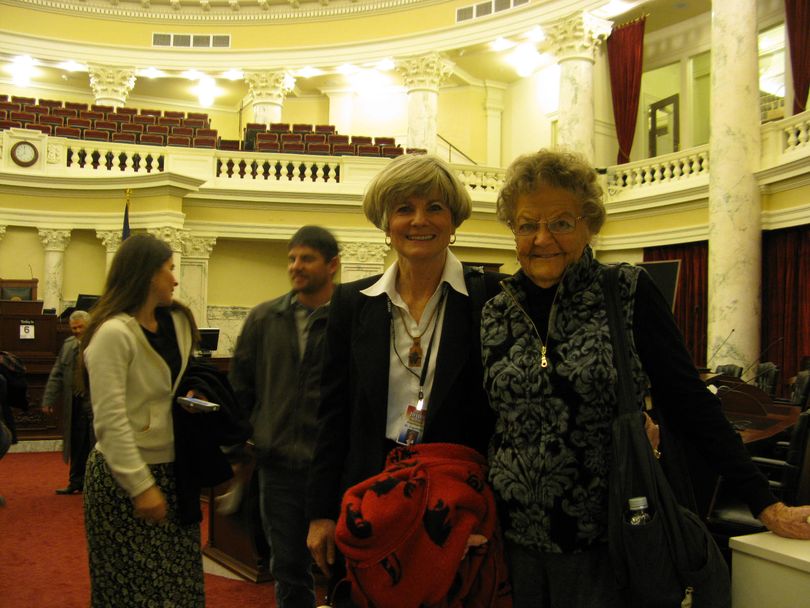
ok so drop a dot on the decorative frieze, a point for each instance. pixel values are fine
(363, 253)
(54, 240)
(111, 85)
(198, 246)
(427, 72)
(173, 236)
(577, 36)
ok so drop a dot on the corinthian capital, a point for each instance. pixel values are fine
(363, 253)
(425, 72)
(270, 86)
(198, 246)
(577, 36)
(111, 239)
(173, 236)
(111, 84)
(54, 240)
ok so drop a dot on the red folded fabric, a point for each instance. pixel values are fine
(404, 533)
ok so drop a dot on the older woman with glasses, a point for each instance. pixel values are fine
(549, 372)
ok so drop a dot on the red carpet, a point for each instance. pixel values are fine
(43, 552)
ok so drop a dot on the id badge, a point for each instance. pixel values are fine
(413, 427)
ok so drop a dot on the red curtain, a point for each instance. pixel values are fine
(786, 298)
(625, 49)
(797, 23)
(691, 301)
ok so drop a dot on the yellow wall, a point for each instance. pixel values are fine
(310, 110)
(84, 266)
(21, 255)
(462, 120)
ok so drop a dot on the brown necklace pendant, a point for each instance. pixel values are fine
(415, 354)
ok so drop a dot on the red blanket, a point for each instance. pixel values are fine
(404, 533)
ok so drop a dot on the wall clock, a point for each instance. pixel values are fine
(24, 153)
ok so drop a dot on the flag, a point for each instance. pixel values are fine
(125, 229)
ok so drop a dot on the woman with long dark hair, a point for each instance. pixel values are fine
(136, 348)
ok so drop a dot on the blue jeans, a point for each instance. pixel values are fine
(562, 580)
(282, 497)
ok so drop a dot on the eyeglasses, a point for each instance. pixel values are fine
(564, 224)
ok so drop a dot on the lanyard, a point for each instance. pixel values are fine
(420, 402)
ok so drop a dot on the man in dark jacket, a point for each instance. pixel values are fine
(276, 374)
(77, 413)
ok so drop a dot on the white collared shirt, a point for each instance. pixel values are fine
(403, 386)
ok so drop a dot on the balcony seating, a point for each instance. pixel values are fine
(279, 127)
(3, 114)
(266, 136)
(10, 124)
(251, 129)
(343, 149)
(104, 109)
(301, 128)
(338, 139)
(228, 144)
(174, 114)
(385, 141)
(23, 117)
(368, 150)
(326, 129)
(361, 139)
(155, 113)
(79, 123)
(79, 107)
(67, 131)
(53, 121)
(187, 131)
(128, 111)
(91, 115)
(179, 140)
(38, 110)
(125, 137)
(415, 151)
(315, 138)
(38, 127)
(290, 137)
(161, 129)
(30, 101)
(131, 127)
(294, 147)
(65, 112)
(96, 135)
(10, 107)
(198, 115)
(169, 121)
(206, 133)
(154, 139)
(268, 146)
(144, 119)
(391, 151)
(204, 142)
(195, 123)
(50, 103)
(106, 125)
(318, 148)
(119, 119)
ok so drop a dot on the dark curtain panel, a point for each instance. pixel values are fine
(625, 49)
(691, 302)
(797, 20)
(786, 299)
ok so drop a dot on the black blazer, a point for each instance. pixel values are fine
(351, 442)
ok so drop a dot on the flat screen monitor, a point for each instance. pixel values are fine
(209, 340)
(16, 293)
(85, 302)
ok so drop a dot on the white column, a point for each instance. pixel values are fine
(341, 109)
(574, 40)
(422, 77)
(111, 239)
(174, 237)
(54, 242)
(735, 230)
(359, 260)
(194, 291)
(269, 90)
(111, 85)
(494, 110)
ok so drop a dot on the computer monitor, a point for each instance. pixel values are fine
(85, 301)
(209, 340)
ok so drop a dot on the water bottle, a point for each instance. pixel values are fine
(637, 514)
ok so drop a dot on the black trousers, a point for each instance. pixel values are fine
(82, 440)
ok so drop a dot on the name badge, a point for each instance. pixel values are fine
(413, 427)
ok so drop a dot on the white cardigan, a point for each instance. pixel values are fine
(132, 395)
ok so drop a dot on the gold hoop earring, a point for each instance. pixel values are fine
(387, 240)
(452, 238)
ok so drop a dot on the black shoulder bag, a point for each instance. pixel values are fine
(672, 560)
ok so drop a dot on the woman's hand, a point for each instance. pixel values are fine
(475, 540)
(150, 505)
(790, 522)
(321, 543)
(196, 395)
(653, 434)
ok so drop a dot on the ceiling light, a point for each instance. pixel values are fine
(206, 91)
(72, 66)
(22, 69)
(234, 74)
(347, 68)
(309, 72)
(151, 72)
(525, 59)
(501, 44)
(536, 34)
(193, 75)
(385, 65)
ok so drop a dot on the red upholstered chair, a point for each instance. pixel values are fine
(318, 148)
(70, 132)
(179, 140)
(174, 114)
(154, 113)
(131, 127)
(251, 130)
(144, 119)
(266, 136)
(53, 121)
(385, 141)
(9, 106)
(207, 133)
(205, 142)
(79, 123)
(327, 129)
(302, 128)
(119, 119)
(47, 129)
(64, 112)
(279, 127)
(104, 109)
(170, 121)
(23, 117)
(24, 101)
(343, 149)
(106, 125)
(268, 146)
(338, 139)
(361, 139)
(79, 107)
(195, 123)
(3, 114)
(228, 144)
(294, 147)
(91, 115)
(200, 115)
(125, 137)
(96, 135)
(38, 110)
(160, 129)
(127, 111)
(290, 138)
(368, 150)
(315, 138)
(10, 124)
(153, 139)
(415, 150)
(187, 131)
(391, 151)
(50, 103)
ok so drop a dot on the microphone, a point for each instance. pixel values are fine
(31, 271)
(717, 350)
(757, 360)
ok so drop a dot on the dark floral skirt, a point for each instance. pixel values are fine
(135, 564)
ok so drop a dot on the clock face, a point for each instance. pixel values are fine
(24, 153)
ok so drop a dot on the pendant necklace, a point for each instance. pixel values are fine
(415, 351)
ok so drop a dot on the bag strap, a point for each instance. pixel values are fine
(618, 334)
(474, 279)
